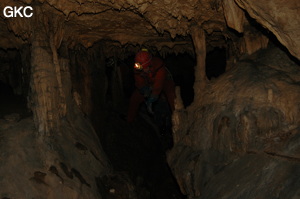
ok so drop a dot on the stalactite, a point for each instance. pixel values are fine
(253, 41)
(270, 15)
(234, 15)
(178, 118)
(48, 97)
(117, 89)
(45, 96)
(55, 39)
(81, 75)
(198, 36)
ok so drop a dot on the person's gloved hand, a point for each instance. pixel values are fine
(145, 91)
(149, 103)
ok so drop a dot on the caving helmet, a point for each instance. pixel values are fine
(142, 59)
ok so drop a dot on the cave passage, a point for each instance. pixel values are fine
(103, 85)
(9, 100)
(67, 79)
(13, 86)
(181, 66)
(215, 62)
(135, 149)
(138, 149)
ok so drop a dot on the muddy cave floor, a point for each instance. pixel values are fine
(135, 150)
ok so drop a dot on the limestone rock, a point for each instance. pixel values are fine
(152, 22)
(234, 15)
(253, 108)
(280, 17)
(62, 167)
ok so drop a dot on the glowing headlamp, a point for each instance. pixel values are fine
(138, 66)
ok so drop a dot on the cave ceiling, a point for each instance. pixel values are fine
(163, 24)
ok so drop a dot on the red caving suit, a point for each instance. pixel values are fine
(160, 82)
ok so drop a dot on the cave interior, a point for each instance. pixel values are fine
(66, 78)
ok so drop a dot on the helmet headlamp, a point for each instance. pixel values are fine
(142, 60)
(138, 66)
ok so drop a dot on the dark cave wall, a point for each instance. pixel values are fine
(15, 70)
(89, 82)
(98, 82)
